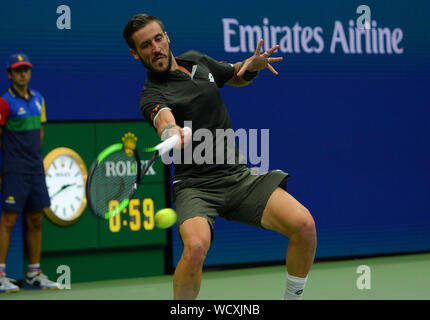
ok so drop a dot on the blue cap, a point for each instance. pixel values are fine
(18, 59)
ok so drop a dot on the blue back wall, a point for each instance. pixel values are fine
(352, 129)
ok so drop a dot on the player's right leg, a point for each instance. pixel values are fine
(196, 237)
(15, 190)
(7, 286)
(7, 222)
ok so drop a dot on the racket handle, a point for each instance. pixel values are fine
(168, 144)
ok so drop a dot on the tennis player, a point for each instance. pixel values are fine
(186, 88)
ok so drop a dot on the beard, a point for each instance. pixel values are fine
(159, 73)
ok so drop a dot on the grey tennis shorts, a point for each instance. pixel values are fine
(239, 196)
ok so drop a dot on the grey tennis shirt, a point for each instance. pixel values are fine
(196, 100)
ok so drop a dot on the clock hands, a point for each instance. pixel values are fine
(62, 189)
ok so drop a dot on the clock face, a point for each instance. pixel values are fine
(65, 178)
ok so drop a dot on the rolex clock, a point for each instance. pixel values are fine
(66, 175)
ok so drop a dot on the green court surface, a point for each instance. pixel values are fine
(404, 277)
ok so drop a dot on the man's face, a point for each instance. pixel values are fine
(20, 76)
(153, 48)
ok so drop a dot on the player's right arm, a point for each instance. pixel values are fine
(155, 110)
(4, 111)
(164, 119)
(165, 125)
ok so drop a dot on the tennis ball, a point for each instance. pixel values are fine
(165, 218)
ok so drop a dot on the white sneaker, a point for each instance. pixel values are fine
(6, 286)
(40, 281)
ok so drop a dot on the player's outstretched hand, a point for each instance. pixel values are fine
(260, 61)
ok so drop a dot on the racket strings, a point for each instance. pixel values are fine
(112, 181)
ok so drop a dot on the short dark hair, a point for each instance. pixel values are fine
(136, 23)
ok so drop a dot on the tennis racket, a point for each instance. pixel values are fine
(117, 172)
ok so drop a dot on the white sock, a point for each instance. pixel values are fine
(2, 269)
(294, 288)
(33, 269)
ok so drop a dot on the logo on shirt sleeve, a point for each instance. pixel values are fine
(211, 77)
(39, 106)
(154, 112)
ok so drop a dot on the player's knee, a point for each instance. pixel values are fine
(195, 253)
(8, 221)
(34, 222)
(305, 228)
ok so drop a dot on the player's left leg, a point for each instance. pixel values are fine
(35, 279)
(283, 213)
(33, 214)
(33, 220)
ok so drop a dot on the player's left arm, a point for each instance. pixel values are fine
(246, 71)
(4, 114)
(42, 121)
